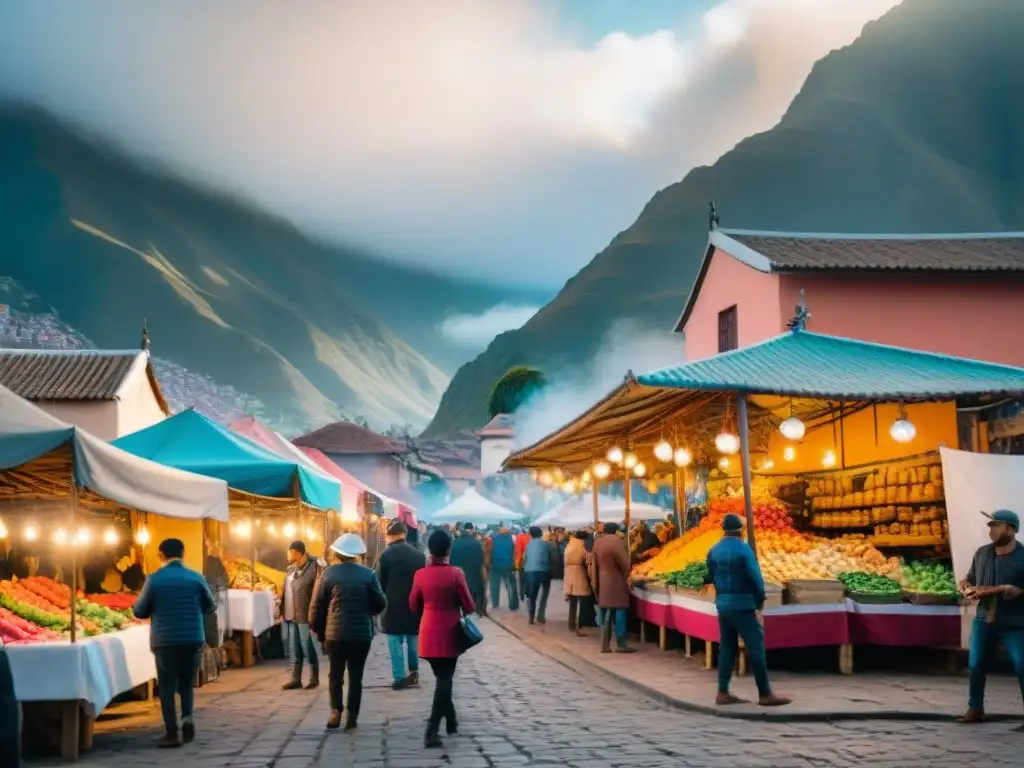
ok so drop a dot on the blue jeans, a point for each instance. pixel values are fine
(506, 577)
(398, 643)
(617, 619)
(984, 639)
(732, 625)
(538, 586)
(301, 648)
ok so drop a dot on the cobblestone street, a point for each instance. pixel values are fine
(518, 707)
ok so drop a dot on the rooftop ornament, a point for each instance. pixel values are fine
(801, 316)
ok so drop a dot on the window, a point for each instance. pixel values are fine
(728, 330)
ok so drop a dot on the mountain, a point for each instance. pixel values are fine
(313, 331)
(917, 126)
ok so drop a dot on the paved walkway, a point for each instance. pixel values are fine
(519, 707)
(687, 684)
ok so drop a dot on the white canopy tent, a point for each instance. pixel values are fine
(471, 507)
(27, 432)
(578, 512)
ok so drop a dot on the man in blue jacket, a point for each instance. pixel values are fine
(739, 598)
(503, 560)
(174, 599)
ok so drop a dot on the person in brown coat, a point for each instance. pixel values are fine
(577, 580)
(609, 575)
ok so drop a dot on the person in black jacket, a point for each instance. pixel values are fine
(468, 554)
(341, 616)
(396, 568)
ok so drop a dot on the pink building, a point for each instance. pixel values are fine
(957, 294)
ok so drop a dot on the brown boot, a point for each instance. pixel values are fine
(972, 717)
(771, 700)
(725, 699)
(334, 721)
(168, 741)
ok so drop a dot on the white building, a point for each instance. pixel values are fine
(497, 440)
(107, 393)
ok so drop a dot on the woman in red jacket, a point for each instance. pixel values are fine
(441, 593)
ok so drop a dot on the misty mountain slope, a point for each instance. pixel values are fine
(228, 291)
(918, 126)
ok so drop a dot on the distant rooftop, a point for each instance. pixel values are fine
(500, 426)
(73, 375)
(346, 437)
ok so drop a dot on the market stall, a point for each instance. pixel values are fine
(578, 512)
(829, 448)
(471, 507)
(274, 500)
(66, 499)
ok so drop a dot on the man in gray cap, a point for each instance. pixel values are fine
(739, 599)
(996, 581)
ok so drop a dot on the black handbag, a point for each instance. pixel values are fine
(469, 635)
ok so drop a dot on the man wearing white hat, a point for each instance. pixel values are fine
(341, 616)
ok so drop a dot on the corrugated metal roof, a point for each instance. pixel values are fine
(805, 364)
(997, 252)
(57, 375)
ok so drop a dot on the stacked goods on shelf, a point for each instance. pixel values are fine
(895, 501)
(240, 576)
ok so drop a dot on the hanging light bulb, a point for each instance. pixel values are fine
(793, 429)
(311, 534)
(31, 533)
(727, 443)
(789, 453)
(663, 451)
(288, 530)
(60, 536)
(110, 537)
(639, 469)
(614, 455)
(545, 479)
(829, 458)
(585, 477)
(682, 457)
(602, 470)
(723, 463)
(766, 465)
(272, 529)
(652, 486)
(630, 460)
(83, 537)
(569, 486)
(903, 430)
(142, 536)
(3, 530)
(243, 530)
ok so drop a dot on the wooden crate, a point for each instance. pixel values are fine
(815, 591)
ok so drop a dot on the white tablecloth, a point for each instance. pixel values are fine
(93, 670)
(246, 611)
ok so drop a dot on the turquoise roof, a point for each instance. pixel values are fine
(805, 364)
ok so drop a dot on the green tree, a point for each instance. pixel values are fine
(513, 389)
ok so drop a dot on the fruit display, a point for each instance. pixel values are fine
(41, 603)
(15, 630)
(826, 559)
(692, 577)
(860, 583)
(934, 579)
(119, 601)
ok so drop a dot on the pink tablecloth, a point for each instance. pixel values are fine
(802, 626)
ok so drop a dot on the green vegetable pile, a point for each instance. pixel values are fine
(934, 579)
(37, 616)
(691, 577)
(862, 583)
(106, 619)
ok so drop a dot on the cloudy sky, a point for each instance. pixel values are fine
(504, 141)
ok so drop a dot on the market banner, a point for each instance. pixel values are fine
(976, 483)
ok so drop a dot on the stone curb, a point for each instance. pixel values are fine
(768, 715)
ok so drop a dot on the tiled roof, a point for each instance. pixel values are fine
(500, 426)
(60, 375)
(345, 437)
(805, 364)
(999, 252)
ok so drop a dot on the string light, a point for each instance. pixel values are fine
(767, 464)
(614, 455)
(288, 531)
(602, 470)
(110, 536)
(272, 529)
(83, 537)
(789, 453)
(723, 463)
(829, 459)
(663, 451)
(727, 443)
(639, 469)
(793, 429)
(682, 457)
(311, 534)
(3, 530)
(142, 536)
(545, 479)
(903, 430)
(630, 460)
(243, 530)
(60, 536)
